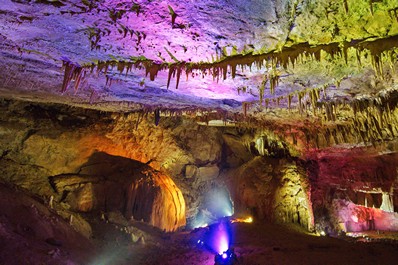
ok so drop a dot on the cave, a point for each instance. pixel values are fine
(177, 132)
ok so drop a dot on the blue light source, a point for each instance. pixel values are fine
(226, 258)
(218, 238)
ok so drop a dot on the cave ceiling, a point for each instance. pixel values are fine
(326, 65)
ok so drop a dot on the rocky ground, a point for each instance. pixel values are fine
(32, 233)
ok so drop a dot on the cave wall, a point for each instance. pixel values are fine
(89, 161)
(265, 180)
(78, 157)
(272, 189)
(45, 141)
(63, 154)
(354, 189)
(108, 183)
(30, 232)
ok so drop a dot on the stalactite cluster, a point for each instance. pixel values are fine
(367, 120)
(73, 71)
(282, 58)
(304, 100)
(374, 118)
(375, 121)
(370, 120)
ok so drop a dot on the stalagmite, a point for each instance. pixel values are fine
(387, 204)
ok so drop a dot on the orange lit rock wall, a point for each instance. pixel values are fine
(157, 200)
(68, 157)
(111, 183)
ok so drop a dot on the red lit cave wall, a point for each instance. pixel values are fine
(354, 190)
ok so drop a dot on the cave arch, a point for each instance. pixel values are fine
(121, 184)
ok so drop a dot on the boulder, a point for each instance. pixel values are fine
(117, 218)
(82, 199)
(191, 171)
(208, 173)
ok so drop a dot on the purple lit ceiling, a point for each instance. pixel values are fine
(37, 36)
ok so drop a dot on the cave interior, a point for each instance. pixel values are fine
(167, 132)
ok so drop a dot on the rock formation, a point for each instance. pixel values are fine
(174, 114)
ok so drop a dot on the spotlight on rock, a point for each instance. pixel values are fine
(226, 258)
(218, 202)
(242, 220)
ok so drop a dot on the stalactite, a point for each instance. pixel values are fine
(80, 74)
(139, 119)
(335, 138)
(395, 13)
(72, 72)
(274, 80)
(343, 133)
(121, 66)
(171, 73)
(345, 2)
(179, 70)
(300, 97)
(153, 70)
(157, 116)
(317, 144)
(371, 4)
(244, 105)
(314, 96)
(262, 88)
(173, 15)
(328, 111)
(327, 136)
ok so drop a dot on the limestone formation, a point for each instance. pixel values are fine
(149, 117)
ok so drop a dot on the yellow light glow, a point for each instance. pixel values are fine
(249, 220)
(243, 220)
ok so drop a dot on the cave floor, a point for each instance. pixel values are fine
(254, 244)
